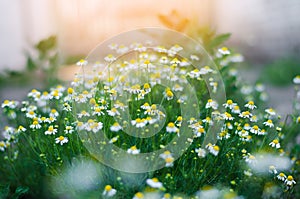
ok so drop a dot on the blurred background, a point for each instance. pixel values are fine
(53, 33)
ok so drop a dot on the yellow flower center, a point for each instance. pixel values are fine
(216, 148)
(171, 125)
(251, 103)
(155, 180)
(133, 148)
(275, 141)
(61, 138)
(229, 102)
(139, 195)
(108, 188)
(169, 160)
(169, 93)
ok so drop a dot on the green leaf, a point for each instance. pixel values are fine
(4, 191)
(20, 191)
(218, 40)
(30, 65)
(46, 44)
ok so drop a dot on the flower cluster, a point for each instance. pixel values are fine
(145, 103)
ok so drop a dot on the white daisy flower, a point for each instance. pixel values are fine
(82, 62)
(109, 58)
(211, 104)
(133, 150)
(255, 129)
(229, 104)
(61, 140)
(115, 127)
(269, 123)
(51, 131)
(290, 181)
(270, 111)
(109, 191)
(35, 125)
(281, 176)
(138, 195)
(296, 79)
(154, 183)
(213, 149)
(113, 112)
(69, 130)
(275, 143)
(236, 110)
(272, 169)
(227, 116)
(171, 128)
(201, 152)
(250, 105)
(114, 139)
(245, 114)
(250, 159)
(139, 123)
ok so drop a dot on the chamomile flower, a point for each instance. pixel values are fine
(253, 118)
(113, 112)
(281, 176)
(69, 129)
(98, 110)
(208, 121)
(296, 79)
(109, 191)
(53, 113)
(82, 62)
(201, 152)
(272, 170)
(250, 105)
(213, 149)
(167, 196)
(169, 161)
(236, 110)
(275, 143)
(255, 129)
(250, 159)
(83, 113)
(139, 123)
(21, 129)
(211, 104)
(171, 128)
(223, 135)
(269, 123)
(199, 131)
(270, 111)
(30, 114)
(93, 126)
(138, 195)
(51, 131)
(289, 181)
(35, 125)
(110, 58)
(227, 116)
(114, 139)
(115, 127)
(10, 104)
(224, 51)
(133, 150)
(154, 183)
(245, 114)
(229, 104)
(298, 120)
(61, 140)
(2, 146)
(169, 94)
